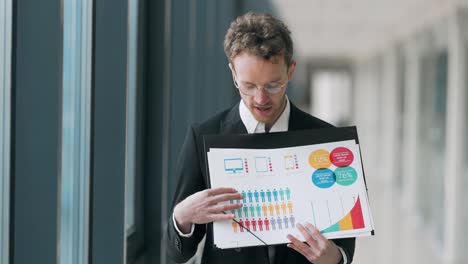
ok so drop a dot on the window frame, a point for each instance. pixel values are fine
(5, 126)
(35, 130)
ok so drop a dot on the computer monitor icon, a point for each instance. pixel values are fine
(233, 165)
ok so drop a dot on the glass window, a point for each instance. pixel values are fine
(465, 194)
(432, 139)
(5, 97)
(331, 90)
(465, 176)
(76, 124)
(438, 140)
(432, 126)
(131, 141)
(401, 81)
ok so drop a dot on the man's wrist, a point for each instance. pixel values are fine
(343, 259)
(179, 231)
(182, 224)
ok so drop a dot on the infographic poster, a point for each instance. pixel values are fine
(322, 184)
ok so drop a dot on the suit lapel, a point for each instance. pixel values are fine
(233, 124)
(294, 118)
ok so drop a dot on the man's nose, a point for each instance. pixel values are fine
(261, 96)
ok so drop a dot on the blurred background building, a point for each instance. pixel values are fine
(96, 97)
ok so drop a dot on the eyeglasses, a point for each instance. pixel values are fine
(251, 89)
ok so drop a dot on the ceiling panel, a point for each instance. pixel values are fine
(349, 28)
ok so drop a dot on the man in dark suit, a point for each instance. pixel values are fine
(259, 49)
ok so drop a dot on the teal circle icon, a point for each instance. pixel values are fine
(323, 178)
(345, 176)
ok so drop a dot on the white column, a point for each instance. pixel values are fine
(410, 126)
(389, 116)
(5, 117)
(366, 112)
(454, 228)
(386, 152)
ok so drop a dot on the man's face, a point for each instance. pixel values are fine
(254, 71)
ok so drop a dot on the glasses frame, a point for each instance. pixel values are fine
(268, 90)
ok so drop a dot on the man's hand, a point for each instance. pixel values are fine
(318, 249)
(202, 207)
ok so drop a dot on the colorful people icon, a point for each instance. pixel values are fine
(286, 222)
(279, 222)
(267, 224)
(268, 193)
(270, 208)
(292, 219)
(275, 194)
(244, 197)
(273, 223)
(290, 207)
(260, 224)
(252, 210)
(283, 207)
(247, 224)
(281, 193)
(259, 210)
(262, 195)
(264, 209)
(249, 194)
(234, 226)
(241, 225)
(254, 225)
(256, 196)
(246, 210)
(288, 193)
(239, 212)
(277, 209)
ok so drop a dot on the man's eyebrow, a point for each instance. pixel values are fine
(275, 81)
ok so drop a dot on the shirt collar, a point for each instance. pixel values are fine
(253, 126)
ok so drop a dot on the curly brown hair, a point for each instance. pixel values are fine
(259, 34)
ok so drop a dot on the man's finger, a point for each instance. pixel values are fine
(319, 238)
(224, 207)
(225, 197)
(309, 257)
(293, 246)
(221, 190)
(301, 247)
(308, 237)
(220, 217)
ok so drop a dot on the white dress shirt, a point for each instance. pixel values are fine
(253, 126)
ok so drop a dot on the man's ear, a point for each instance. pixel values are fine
(292, 67)
(231, 67)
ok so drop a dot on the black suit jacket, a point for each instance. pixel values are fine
(192, 177)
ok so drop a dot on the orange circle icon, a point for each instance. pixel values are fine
(320, 159)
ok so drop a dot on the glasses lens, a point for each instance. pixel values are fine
(251, 90)
(248, 89)
(273, 88)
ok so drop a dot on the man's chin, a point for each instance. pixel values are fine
(263, 119)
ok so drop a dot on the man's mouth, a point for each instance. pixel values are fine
(263, 109)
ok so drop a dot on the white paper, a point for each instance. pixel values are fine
(321, 184)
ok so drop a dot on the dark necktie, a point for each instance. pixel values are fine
(271, 254)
